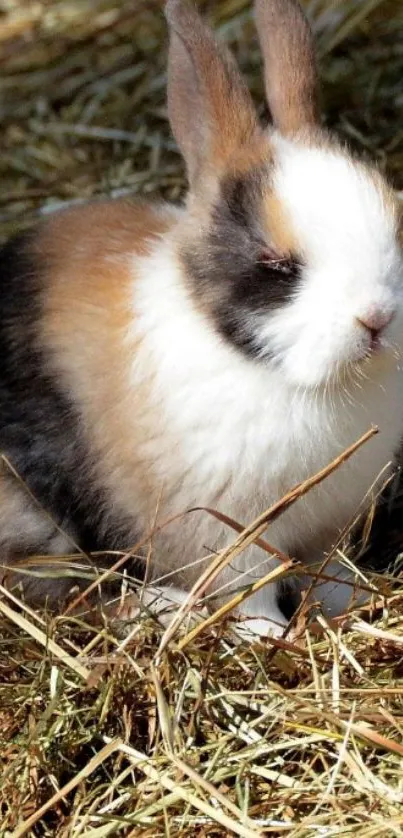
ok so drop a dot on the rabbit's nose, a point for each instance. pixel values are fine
(375, 322)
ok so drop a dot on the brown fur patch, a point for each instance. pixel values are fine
(257, 154)
(88, 256)
(279, 226)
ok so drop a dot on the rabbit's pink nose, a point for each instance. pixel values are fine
(375, 323)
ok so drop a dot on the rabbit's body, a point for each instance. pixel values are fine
(211, 356)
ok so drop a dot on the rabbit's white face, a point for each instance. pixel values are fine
(345, 311)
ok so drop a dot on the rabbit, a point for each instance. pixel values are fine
(157, 358)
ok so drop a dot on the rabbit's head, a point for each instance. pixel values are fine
(290, 244)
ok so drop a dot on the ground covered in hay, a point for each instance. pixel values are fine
(111, 732)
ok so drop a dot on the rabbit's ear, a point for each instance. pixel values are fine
(290, 66)
(210, 109)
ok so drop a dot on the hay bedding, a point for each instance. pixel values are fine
(99, 737)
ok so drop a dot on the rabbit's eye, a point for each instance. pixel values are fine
(279, 264)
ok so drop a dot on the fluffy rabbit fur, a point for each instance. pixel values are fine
(156, 358)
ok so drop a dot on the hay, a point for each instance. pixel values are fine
(99, 735)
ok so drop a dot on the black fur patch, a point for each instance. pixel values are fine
(227, 269)
(39, 426)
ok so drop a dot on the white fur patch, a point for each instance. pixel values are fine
(346, 235)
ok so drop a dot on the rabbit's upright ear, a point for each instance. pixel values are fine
(290, 66)
(209, 106)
